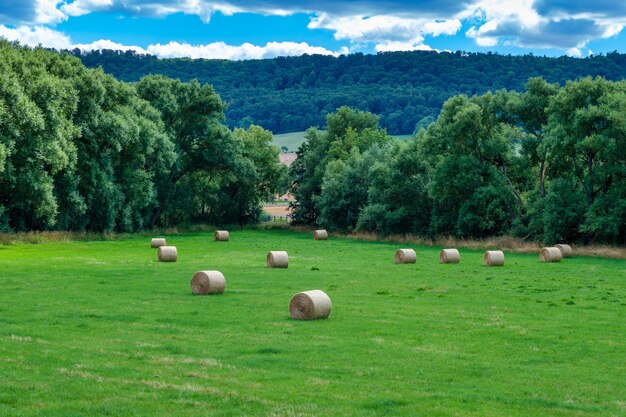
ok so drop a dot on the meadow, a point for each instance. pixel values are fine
(101, 328)
(293, 140)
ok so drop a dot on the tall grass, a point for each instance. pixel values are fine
(504, 243)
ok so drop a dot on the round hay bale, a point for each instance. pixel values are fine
(208, 282)
(221, 236)
(566, 250)
(168, 254)
(493, 258)
(310, 305)
(320, 235)
(449, 256)
(277, 259)
(157, 242)
(405, 256)
(550, 254)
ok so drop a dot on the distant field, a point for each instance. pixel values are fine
(103, 329)
(293, 140)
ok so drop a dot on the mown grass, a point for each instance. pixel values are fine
(102, 329)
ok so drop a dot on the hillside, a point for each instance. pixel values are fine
(403, 88)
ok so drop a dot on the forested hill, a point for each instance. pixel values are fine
(404, 88)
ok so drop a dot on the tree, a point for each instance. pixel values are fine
(191, 114)
(80, 150)
(343, 192)
(586, 143)
(36, 135)
(346, 129)
(470, 152)
(397, 200)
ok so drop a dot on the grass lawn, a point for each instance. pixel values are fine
(103, 329)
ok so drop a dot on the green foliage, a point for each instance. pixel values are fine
(398, 191)
(586, 141)
(548, 163)
(563, 211)
(346, 131)
(80, 150)
(406, 89)
(344, 191)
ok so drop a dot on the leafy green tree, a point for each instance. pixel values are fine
(80, 150)
(346, 129)
(470, 153)
(528, 110)
(586, 143)
(122, 149)
(191, 114)
(397, 200)
(344, 191)
(563, 211)
(36, 135)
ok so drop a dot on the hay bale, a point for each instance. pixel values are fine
(168, 254)
(550, 254)
(221, 236)
(566, 250)
(208, 282)
(277, 259)
(449, 256)
(493, 258)
(310, 305)
(320, 235)
(157, 242)
(405, 256)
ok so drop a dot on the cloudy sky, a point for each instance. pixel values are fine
(249, 29)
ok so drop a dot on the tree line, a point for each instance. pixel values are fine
(546, 163)
(406, 89)
(80, 150)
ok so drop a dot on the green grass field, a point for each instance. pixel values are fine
(293, 140)
(103, 329)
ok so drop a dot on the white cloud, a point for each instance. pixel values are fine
(612, 29)
(221, 50)
(445, 27)
(388, 24)
(386, 32)
(38, 35)
(360, 28)
(200, 8)
(575, 52)
(47, 11)
(542, 23)
(480, 34)
(108, 44)
(83, 7)
(402, 46)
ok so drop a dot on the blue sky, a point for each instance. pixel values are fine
(245, 29)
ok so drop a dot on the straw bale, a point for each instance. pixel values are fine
(208, 282)
(221, 236)
(310, 305)
(168, 254)
(277, 259)
(550, 254)
(405, 256)
(566, 250)
(157, 242)
(493, 258)
(449, 256)
(320, 235)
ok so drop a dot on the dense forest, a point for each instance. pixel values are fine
(80, 150)
(547, 163)
(405, 89)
